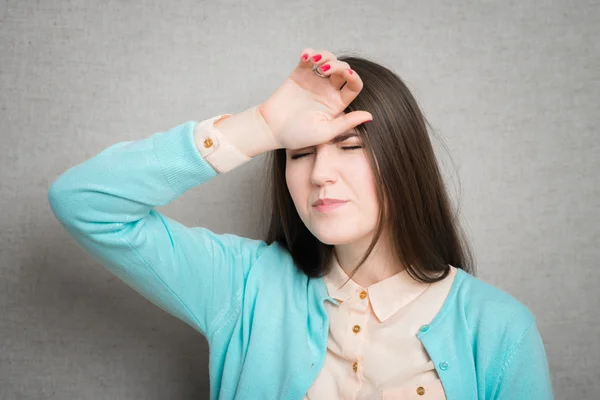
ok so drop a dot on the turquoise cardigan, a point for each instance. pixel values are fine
(265, 321)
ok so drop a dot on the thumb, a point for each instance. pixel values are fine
(348, 121)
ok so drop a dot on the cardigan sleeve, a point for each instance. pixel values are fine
(525, 374)
(107, 204)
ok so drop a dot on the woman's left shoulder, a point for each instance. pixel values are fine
(503, 333)
(484, 303)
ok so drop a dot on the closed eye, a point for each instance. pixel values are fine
(296, 156)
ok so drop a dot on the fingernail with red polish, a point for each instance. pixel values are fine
(317, 57)
(325, 67)
(305, 56)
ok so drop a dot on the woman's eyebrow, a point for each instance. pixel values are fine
(337, 139)
(344, 136)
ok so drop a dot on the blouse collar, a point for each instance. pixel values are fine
(386, 296)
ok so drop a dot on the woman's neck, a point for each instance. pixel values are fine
(380, 265)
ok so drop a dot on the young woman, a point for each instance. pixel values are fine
(364, 287)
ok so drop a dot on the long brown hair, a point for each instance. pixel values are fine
(414, 203)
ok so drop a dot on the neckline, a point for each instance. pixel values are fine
(446, 306)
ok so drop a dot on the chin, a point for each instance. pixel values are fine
(334, 235)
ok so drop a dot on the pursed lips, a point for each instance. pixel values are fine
(327, 201)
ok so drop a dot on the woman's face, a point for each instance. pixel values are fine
(337, 171)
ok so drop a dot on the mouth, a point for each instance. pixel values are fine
(329, 207)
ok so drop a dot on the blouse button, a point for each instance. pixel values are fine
(420, 391)
(356, 329)
(355, 366)
(424, 328)
(208, 143)
(363, 295)
(443, 365)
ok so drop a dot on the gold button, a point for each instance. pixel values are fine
(363, 294)
(208, 143)
(356, 329)
(420, 391)
(355, 366)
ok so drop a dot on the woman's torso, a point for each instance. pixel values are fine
(372, 348)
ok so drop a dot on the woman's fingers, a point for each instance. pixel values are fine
(335, 70)
(311, 57)
(339, 72)
(353, 86)
(316, 57)
(346, 122)
(305, 56)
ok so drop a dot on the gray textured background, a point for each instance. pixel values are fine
(513, 89)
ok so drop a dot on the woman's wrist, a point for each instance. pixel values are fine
(248, 132)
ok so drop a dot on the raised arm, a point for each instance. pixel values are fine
(107, 205)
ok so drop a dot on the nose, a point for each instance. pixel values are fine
(323, 171)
